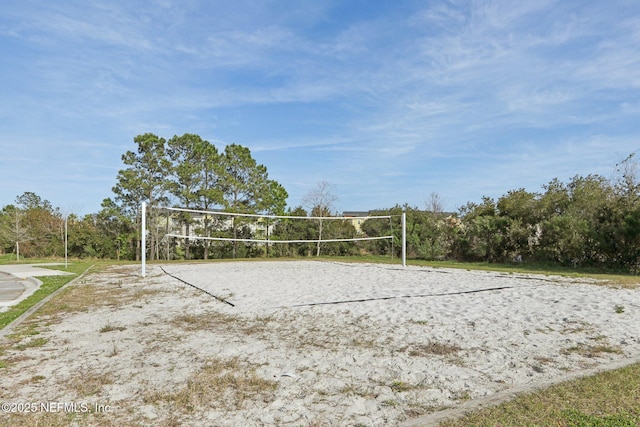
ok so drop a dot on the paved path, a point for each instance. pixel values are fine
(18, 282)
(10, 287)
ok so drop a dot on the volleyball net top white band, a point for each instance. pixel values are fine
(222, 213)
(231, 239)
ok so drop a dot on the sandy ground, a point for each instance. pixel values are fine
(303, 343)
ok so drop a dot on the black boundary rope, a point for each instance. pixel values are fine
(200, 289)
(398, 297)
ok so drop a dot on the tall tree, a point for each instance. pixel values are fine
(43, 223)
(522, 214)
(144, 180)
(246, 187)
(12, 229)
(186, 154)
(209, 193)
(114, 225)
(485, 230)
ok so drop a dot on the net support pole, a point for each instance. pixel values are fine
(66, 242)
(404, 239)
(143, 249)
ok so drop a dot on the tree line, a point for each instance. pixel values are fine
(589, 221)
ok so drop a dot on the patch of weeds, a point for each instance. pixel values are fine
(35, 342)
(221, 322)
(140, 293)
(109, 328)
(350, 389)
(431, 348)
(619, 309)
(462, 396)
(34, 379)
(84, 297)
(416, 409)
(255, 326)
(576, 326)
(195, 322)
(390, 402)
(400, 386)
(226, 382)
(23, 332)
(543, 360)
(114, 349)
(27, 331)
(359, 342)
(599, 338)
(591, 350)
(48, 419)
(89, 383)
(3, 364)
(17, 358)
(420, 322)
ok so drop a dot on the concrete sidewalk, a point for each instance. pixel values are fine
(10, 288)
(18, 282)
(32, 270)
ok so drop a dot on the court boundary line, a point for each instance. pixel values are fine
(196, 287)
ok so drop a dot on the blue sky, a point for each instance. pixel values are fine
(389, 101)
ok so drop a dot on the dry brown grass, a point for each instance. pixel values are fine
(576, 327)
(88, 383)
(85, 384)
(215, 321)
(61, 419)
(619, 281)
(431, 348)
(226, 384)
(91, 293)
(110, 328)
(39, 419)
(591, 351)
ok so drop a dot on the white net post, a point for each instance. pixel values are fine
(143, 249)
(404, 239)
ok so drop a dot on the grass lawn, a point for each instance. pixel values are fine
(49, 285)
(608, 399)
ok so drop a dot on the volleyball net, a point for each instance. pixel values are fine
(182, 233)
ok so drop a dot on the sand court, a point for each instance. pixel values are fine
(343, 344)
(265, 286)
